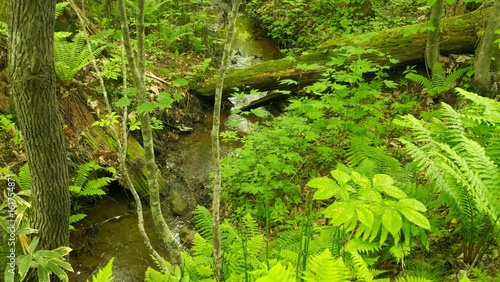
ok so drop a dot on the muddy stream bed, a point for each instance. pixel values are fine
(110, 229)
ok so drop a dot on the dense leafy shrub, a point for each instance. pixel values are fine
(266, 177)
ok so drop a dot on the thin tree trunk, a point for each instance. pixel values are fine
(433, 36)
(162, 228)
(484, 52)
(215, 142)
(121, 142)
(33, 83)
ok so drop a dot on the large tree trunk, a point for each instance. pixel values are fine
(33, 82)
(458, 35)
(484, 52)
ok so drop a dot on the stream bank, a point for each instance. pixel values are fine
(110, 230)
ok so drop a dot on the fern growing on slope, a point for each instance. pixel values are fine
(71, 55)
(465, 174)
(439, 81)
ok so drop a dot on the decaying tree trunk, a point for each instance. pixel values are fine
(458, 35)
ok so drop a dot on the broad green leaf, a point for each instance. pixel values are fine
(180, 82)
(340, 213)
(33, 245)
(130, 92)
(54, 268)
(361, 180)
(416, 218)
(123, 102)
(146, 107)
(412, 204)
(24, 263)
(322, 183)
(165, 100)
(380, 181)
(391, 219)
(395, 192)
(327, 188)
(43, 274)
(340, 176)
(259, 112)
(48, 254)
(365, 216)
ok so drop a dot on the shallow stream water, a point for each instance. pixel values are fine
(110, 230)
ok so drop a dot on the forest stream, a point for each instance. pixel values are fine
(110, 229)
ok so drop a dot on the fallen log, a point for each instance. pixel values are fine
(458, 35)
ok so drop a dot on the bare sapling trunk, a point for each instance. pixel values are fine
(433, 36)
(217, 254)
(121, 140)
(161, 226)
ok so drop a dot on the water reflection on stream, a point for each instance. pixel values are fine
(100, 237)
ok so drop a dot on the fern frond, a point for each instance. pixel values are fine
(363, 271)
(323, 267)
(359, 245)
(279, 273)
(249, 227)
(331, 238)
(74, 218)
(105, 274)
(83, 171)
(419, 79)
(202, 247)
(24, 177)
(412, 279)
(95, 187)
(360, 151)
(437, 75)
(60, 7)
(454, 76)
(203, 220)
(71, 56)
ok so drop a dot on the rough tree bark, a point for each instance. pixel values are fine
(162, 228)
(217, 254)
(33, 82)
(458, 35)
(484, 52)
(433, 36)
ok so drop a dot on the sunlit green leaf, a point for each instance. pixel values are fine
(146, 107)
(391, 219)
(123, 102)
(416, 218)
(180, 82)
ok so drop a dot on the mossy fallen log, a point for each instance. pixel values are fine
(458, 35)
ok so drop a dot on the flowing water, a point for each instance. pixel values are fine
(110, 230)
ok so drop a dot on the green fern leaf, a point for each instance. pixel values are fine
(323, 267)
(203, 220)
(105, 274)
(279, 273)
(412, 279)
